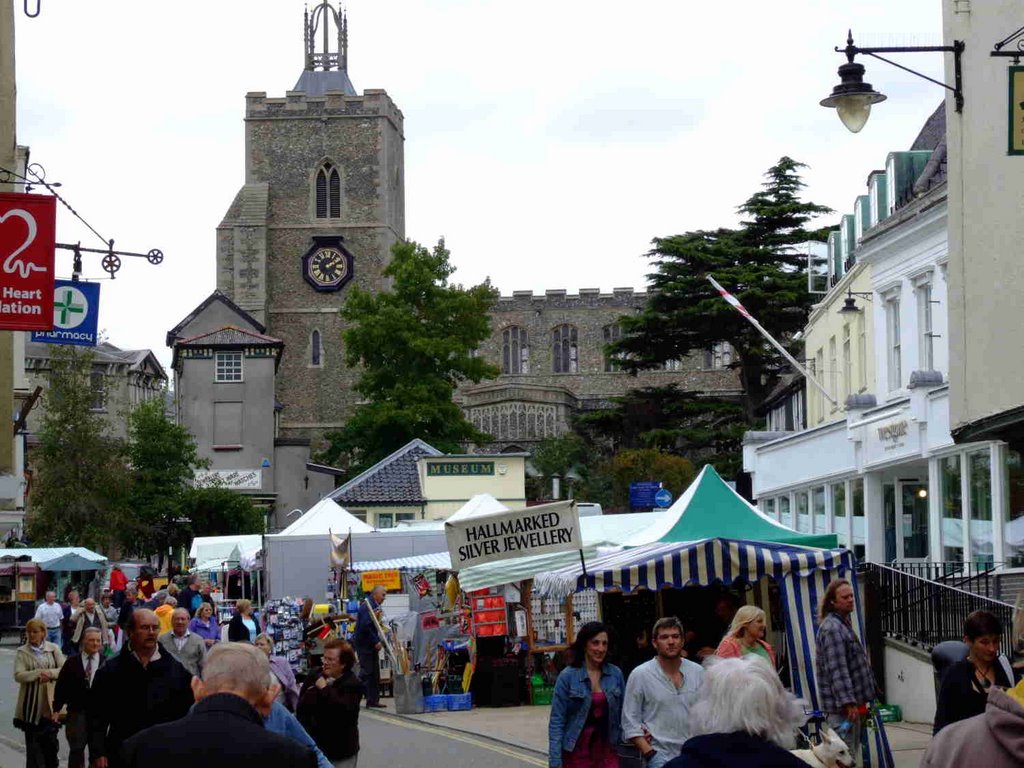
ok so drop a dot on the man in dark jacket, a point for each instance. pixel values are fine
(138, 688)
(188, 598)
(226, 725)
(72, 690)
(367, 643)
(124, 617)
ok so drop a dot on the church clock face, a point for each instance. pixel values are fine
(327, 267)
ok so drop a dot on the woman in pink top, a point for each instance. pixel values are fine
(746, 635)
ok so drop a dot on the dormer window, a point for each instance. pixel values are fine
(328, 192)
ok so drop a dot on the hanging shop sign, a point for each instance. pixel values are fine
(516, 533)
(391, 580)
(27, 245)
(1016, 111)
(76, 314)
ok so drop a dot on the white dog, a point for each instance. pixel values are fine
(831, 752)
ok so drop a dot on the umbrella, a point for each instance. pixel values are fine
(72, 562)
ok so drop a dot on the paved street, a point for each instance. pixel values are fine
(386, 741)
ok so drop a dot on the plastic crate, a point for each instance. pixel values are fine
(460, 702)
(541, 694)
(890, 713)
(437, 702)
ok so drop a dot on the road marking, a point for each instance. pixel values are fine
(456, 736)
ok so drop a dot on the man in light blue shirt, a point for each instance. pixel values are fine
(659, 694)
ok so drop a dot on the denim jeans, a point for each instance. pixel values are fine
(53, 635)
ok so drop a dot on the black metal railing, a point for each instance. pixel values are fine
(974, 577)
(925, 612)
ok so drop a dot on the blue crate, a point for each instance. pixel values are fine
(460, 702)
(437, 702)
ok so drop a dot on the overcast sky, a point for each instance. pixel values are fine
(548, 142)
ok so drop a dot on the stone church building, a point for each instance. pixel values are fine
(322, 203)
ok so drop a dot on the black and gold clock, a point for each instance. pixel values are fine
(327, 265)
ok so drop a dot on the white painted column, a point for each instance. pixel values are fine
(874, 524)
(1000, 498)
(934, 511)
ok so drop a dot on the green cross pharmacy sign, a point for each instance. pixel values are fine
(76, 309)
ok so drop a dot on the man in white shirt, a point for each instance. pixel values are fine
(187, 648)
(659, 694)
(51, 614)
(72, 690)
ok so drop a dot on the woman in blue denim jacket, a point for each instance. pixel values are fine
(586, 708)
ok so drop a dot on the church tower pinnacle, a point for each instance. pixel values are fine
(325, 70)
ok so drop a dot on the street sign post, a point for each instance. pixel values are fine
(27, 245)
(663, 498)
(76, 313)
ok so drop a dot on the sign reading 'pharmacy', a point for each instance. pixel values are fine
(517, 533)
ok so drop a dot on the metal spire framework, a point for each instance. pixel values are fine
(320, 21)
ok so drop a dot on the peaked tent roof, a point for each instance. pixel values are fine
(325, 517)
(711, 509)
(395, 479)
(481, 504)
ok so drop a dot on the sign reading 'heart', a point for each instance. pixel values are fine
(27, 243)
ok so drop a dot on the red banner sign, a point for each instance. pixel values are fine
(27, 244)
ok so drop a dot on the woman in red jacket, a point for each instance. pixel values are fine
(746, 635)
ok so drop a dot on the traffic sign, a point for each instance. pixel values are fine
(663, 498)
(76, 313)
(27, 245)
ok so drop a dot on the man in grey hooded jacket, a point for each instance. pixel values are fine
(994, 739)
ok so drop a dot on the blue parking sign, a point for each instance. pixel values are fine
(76, 314)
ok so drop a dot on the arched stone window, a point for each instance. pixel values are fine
(328, 191)
(612, 333)
(315, 349)
(564, 349)
(515, 350)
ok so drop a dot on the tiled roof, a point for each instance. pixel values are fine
(104, 352)
(932, 136)
(172, 335)
(228, 336)
(392, 480)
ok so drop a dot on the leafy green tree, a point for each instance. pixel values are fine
(220, 512)
(82, 480)
(631, 466)
(415, 344)
(756, 262)
(163, 459)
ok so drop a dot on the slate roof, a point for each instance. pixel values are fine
(228, 336)
(172, 335)
(318, 83)
(932, 136)
(104, 352)
(392, 480)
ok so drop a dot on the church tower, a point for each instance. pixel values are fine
(322, 204)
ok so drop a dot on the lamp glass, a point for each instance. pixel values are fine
(854, 110)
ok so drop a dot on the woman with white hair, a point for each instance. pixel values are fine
(746, 635)
(743, 717)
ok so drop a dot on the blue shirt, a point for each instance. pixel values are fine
(285, 723)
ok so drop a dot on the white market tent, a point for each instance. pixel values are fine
(324, 517)
(481, 504)
(211, 552)
(48, 554)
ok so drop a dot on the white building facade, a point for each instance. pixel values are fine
(882, 471)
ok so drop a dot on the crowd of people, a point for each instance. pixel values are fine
(727, 706)
(149, 682)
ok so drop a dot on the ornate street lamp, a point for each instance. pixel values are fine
(852, 98)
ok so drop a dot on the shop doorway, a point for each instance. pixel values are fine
(905, 513)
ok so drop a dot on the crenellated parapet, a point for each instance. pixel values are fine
(374, 102)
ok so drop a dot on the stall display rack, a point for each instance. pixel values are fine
(490, 617)
(285, 628)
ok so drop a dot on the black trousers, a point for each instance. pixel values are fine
(369, 675)
(41, 745)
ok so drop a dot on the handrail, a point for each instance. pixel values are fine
(943, 586)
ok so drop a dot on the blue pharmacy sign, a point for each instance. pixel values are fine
(642, 495)
(76, 314)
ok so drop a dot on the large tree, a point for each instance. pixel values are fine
(415, 344)
(757, 262)
(81, 485)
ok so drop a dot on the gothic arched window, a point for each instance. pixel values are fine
(515, 350)
(328, 192)
(564, 349)
(315, 349)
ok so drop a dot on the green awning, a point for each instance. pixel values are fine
(711, 509)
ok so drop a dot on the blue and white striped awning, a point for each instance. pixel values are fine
(439, 561)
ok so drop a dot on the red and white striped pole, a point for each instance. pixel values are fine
(782, 350)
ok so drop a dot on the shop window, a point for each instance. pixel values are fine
(785, 517)
(767, 506)
(228, 366)
(857, 517)
(894, 347)
(839, 517)
(818, 510)
(1013, 523)
(914, 522)
(564, 349)
(803, 514)
(979, 473)
(515, 350)
(952, 533)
